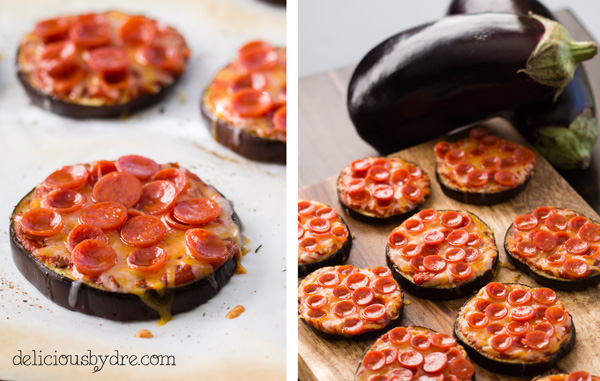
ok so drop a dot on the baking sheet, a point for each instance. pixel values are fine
(33, 143)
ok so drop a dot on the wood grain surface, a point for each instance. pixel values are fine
(328, 143)
(320, 359)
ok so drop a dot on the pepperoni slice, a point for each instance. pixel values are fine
(41, 222)
(505, 178)
(458, 237)
(523, 313)
(101, 168)
(455, 156)
(315, 302)
(496, 311)
(373, 312)
(250, 103)
(441, 149)
(383, 194)
(149, 260)
(64, 200)
(206, 246)
(196, 211)
(109, 60)
(175, 176)
(491, 163)
(139, 166)
(490, 141)
(385, 285)
(537, 340)
(556, 259)
(519, 297)
(340, 232)
(562, 237)
(399, 336)
(329, 280)
(472, 255)
(496, 291)
(590, 232)
(435, 362)
(422, 277)
(391, 354)
(494, 328)
(69, 177)
(137, 31)
(462, 368)
(344, 308)
(417, 264)
(464, 169)
(356, 187)
(524, 155)
(327, 213)
(481, 305)
(381, 271)
(52, 29)
(474, 239)
(144, 231)
(400, 176)
(356, 280)
(311, 289)
(157, 197)
(363, 296)
(542, 212)
(545, 241)
(411, 192)
(378, 173)
(316, 314)
(59, 60)
(545, 327)
(90, 34)
(254, 80)
(477, 320)
(477, 151)
(556, 222)
(420, 342)
(410, 359)
(161, 56)
(461, 271)
(342, 292)
(576, 268)
(540, 312)
(306, 208)
(92, 257)
(441, 341)
(309, 244)
(509, 162)
(592, 253)
(360, 167)
(433, 237)
(415, 172)
(452, 219)
(434, 263)
(280, 119)
(517, 328)
(501, 342)
(83, 232)
(577, 222)
(118, 187)
(414, 225)
(555, 315)
(579, 375)
(428, 215)
(526, 222)
(508, 146)
(257, 55)
(319, 226)
(478, 133)
(544, 295)
(577, 246)
(346, 269)
(374, 360)
(105, 215)
(352, 326)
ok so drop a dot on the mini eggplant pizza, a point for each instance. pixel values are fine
(245, 105)
(100, 65)
(126, 240)
(514, 329)
(344, 302)
(323, 237)
(415, 353)
(482, 169)
(382, 190)
(578, 375)
(442, 254)
(557, 247)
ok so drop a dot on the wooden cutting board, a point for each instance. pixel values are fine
(320, 359)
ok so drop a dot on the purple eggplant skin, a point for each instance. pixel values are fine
(565, 130)
(429, 80)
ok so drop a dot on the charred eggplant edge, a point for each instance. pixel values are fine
(514, 368)
(547, 279)
(113, 305)
(336, 258)
(446, 293)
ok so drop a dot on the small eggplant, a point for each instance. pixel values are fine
(565, 130)
(429, 80)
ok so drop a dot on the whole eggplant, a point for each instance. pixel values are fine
(429, 80)
(565, 130)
